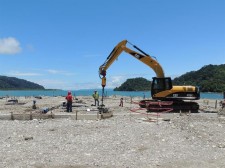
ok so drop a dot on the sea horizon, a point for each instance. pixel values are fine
(89, 92)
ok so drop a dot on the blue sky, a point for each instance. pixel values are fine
(61, 43)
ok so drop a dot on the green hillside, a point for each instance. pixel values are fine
(135, 84)
(15, 83)
(210, 78)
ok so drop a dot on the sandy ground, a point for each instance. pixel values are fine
(126, 140)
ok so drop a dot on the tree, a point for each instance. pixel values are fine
(15, 83)
(135, 84)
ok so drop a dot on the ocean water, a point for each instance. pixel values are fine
(89, 92)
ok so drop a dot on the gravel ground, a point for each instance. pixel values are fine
(126, 140)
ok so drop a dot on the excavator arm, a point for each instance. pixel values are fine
(141, 56)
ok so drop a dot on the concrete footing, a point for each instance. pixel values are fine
(49, 115)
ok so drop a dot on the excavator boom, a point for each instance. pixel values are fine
(143, 57)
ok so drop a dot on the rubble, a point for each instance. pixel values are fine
(124, 140)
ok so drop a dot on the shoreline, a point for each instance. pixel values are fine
(24, 104)
(108, 92)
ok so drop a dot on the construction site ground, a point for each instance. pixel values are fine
(128, 138)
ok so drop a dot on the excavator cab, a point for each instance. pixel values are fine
(160, 84)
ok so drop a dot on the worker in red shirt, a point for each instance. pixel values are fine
(69, 99)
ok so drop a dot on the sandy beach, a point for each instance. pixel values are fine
(125, 140)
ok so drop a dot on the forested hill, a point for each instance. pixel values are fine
(135, 84)
(15, 83)
(210, 78)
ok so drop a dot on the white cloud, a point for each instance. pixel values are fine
(65, 85)
(9, 46)
(16, 73)
(111, 82)
(53, 84)
(87, 85)
(53, 71)
(115, 81)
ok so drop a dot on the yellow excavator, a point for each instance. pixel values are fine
(164, 95)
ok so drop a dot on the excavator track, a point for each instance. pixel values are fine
(169, 106)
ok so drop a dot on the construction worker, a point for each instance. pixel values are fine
(69, 99)
(121, 102)
(95, 95)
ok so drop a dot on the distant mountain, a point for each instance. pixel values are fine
(210, 78)
(16, 83)
(135, 84)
